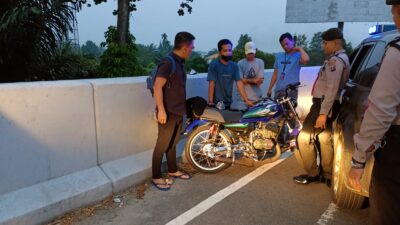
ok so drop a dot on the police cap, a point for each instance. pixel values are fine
(392, 2)
(332, 34)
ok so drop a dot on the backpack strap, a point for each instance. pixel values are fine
(173, 63)
(341, 59)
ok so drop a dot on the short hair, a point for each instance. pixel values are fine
(285, 35)
(223, 42)
(182, 38)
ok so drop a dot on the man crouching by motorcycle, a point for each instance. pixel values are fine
(317, 127)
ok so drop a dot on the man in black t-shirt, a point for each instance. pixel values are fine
(170, 98)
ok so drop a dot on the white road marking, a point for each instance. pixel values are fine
(219, 196)
(328, 215)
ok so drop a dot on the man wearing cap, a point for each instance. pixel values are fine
(380, 134)
(251, 70)
(331, 78)
(287, 66)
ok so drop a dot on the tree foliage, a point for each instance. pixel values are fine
(301, 40)
(243, 39)
(197, 62)
(238, 52)
(165, 45)
(117, 59)
(91, 50)
(124, 9)
(30, 33)
(65, 64)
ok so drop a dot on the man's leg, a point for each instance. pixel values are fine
(326, 143)
(385, 181)
(171, 152)
(165, 132)
(306, 155)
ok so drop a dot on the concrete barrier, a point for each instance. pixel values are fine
(47, 130)
(66, 144)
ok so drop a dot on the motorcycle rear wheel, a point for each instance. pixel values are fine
(197, 147)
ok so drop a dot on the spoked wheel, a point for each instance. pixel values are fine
(201, 151)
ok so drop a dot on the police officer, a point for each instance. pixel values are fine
(332, 77)
(380, 133)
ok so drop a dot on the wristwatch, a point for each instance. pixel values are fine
(357, 165)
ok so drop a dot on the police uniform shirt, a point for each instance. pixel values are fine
(332, 77)
(384, 106)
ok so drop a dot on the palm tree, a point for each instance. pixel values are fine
(30, 33)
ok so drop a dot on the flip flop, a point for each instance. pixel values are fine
(183, 176)
(156, 185)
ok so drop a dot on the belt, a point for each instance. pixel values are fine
(317, 100)
(394, 131)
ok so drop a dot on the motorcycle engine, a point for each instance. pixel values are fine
(263, 138)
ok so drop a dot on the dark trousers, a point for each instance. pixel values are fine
(307, 156)
(168, 137)
(384, 193)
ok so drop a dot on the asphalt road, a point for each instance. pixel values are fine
(245, 195)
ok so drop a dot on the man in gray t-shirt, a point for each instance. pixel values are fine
(251, 70)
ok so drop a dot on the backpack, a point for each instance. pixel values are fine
(152, 77)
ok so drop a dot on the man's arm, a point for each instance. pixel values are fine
(211, 90)
(382, 110)
(212, 76)
(242, 92)
(333, 71)
(304, 58)
(159, 99)
(272, 83)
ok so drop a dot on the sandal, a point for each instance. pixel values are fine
(159, 187)
(182, 176)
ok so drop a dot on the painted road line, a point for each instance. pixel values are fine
(219, 196)
(328, 215)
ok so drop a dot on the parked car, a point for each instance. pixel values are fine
(365, 61)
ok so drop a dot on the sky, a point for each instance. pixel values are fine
(210, 21)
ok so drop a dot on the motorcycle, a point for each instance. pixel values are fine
(214, 144)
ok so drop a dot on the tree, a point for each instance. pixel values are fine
(197, 63)
(125, 7)
(31, 32)
(165, 46)
(212, 52)
(301, 40)
(314, 50)
(348, 47)
(268, 59)
(119, 60)
(243, 39)
(91, 49)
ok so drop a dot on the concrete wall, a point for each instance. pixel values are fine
(54, 136)
(46, 131)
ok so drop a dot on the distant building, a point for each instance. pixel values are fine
(212, 57)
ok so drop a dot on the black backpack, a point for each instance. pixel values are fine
(152, 77)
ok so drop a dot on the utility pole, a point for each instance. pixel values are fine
(341, 25)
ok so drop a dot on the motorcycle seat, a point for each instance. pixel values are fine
(223, 116)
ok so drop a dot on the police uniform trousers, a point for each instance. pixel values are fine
(307, 155)
(385, 182)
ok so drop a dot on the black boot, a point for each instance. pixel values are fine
(305, 179)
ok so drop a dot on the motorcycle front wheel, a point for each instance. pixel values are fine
(201, 151)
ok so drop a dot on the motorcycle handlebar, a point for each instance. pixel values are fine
(291, 87)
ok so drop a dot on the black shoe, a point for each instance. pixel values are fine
(305, 179)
